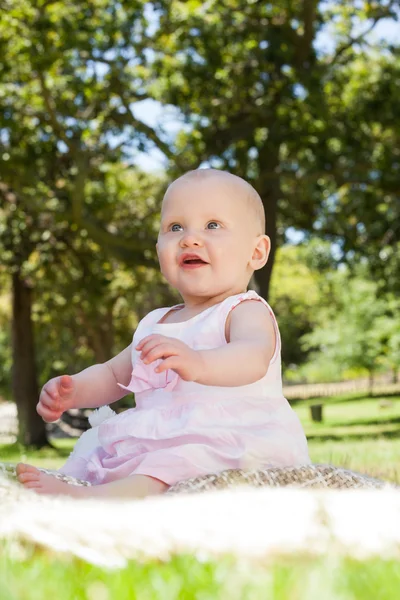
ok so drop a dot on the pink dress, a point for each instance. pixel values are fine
(182, 429)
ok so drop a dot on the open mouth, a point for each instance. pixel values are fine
(194, 261)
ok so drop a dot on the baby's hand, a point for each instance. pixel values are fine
(177, 355)
(57, 396)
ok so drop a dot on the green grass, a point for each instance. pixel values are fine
(358, 434)
(40, 575)
(354, 417)
(50, 458)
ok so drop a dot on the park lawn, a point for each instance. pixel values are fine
(357, 434)
(341, 415)
(49, 458)
(45, 575)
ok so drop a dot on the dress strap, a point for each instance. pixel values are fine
(149, 320)
(231, 302)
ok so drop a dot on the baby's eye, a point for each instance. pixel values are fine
(178, 225)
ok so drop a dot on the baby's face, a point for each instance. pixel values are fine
(209, 218)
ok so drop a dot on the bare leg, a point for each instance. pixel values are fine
(134, 486)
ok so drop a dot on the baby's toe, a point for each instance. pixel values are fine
(28, 477)
(33, 485)
(25, 470)
(21, 468)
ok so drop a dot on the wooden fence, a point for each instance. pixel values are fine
(320, 390)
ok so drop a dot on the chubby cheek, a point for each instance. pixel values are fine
(163, 264)
(226, 256)
(166, 258)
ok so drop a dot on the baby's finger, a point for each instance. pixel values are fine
(49, 400)
(154, 337)
(145, 340)
(150, 346)
(173, 362)
(66, 385)
(161, 351)
(47, 415)
(50, 390)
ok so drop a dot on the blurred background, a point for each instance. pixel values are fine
(102, 103)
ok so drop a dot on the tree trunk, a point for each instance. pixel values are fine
(263, 276)
(268, 185)
(316, 413)
(371, 382)
(100, 334)
(32, 431)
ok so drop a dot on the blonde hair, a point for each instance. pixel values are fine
(250, 195)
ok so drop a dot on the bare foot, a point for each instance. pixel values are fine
(41, 483)
(133, 486)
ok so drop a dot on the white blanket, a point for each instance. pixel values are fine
(247, 522)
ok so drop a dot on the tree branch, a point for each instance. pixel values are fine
(51, 110)
(359, 38)
(304, 42)
(130, 251)
(142, 128)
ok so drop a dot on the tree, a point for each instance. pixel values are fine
(5, 337)
(360, 210)
(296, 298)
(388, 330)
(70, 290)
(66, 117)
(350, 333)
(260, 98)
(68, 109)
(16, 249)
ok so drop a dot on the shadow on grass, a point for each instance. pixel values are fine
(348, 436)
(10, 451)
(388, 421)
(307, 402)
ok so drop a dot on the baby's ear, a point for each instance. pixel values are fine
(261, 252)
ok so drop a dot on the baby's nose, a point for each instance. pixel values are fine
(190, 238)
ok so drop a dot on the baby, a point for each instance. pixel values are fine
(206, 373)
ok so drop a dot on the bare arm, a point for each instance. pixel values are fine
(97, 385)
(246, 357)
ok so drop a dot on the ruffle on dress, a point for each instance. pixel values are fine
(185, 441)
(145, 378)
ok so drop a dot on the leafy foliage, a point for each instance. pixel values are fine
(313, 128)
(356, 331)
